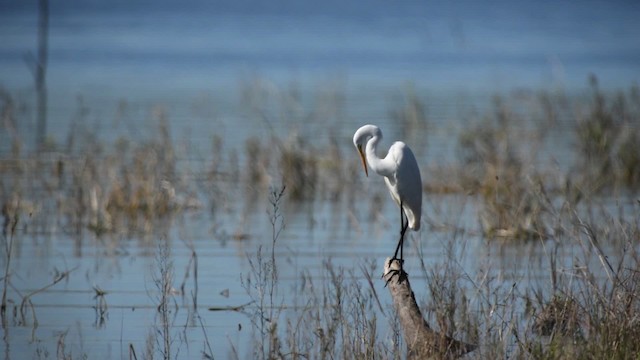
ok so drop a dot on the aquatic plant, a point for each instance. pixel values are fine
(607, 137)
(494, 168)
(410, 116)
(586, 309)
(299, 169)
(261, 286)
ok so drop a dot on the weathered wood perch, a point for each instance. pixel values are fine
(422, 341)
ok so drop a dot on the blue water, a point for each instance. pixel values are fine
(120, 61)
(160, 48)
(203, 54)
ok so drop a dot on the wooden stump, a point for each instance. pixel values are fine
(422, 341)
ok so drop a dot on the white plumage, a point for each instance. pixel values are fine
(400, 171)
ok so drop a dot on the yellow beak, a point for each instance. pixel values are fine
(364, 160)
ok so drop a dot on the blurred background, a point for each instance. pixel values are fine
(144, 146)
(200, 53)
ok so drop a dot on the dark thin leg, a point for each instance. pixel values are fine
(403, 229)
(400, 246)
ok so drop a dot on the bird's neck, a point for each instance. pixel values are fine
(380, 166)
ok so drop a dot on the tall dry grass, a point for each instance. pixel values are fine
(586, 309)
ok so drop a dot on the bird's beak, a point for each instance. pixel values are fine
(364, 160)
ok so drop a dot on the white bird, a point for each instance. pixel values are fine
(401, 174)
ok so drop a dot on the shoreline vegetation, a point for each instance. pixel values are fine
(130, 189)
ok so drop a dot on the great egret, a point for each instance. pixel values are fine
(401, 174)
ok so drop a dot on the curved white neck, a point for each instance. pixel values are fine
(382, 167)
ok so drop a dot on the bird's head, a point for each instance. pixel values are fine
(360, 139)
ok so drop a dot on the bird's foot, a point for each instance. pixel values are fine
(395, 268)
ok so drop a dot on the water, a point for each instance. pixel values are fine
(113, 65)
(127, 270)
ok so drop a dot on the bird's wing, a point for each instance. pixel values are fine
(408, 182)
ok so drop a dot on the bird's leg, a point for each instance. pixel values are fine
(401, 243)
(403, 229)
